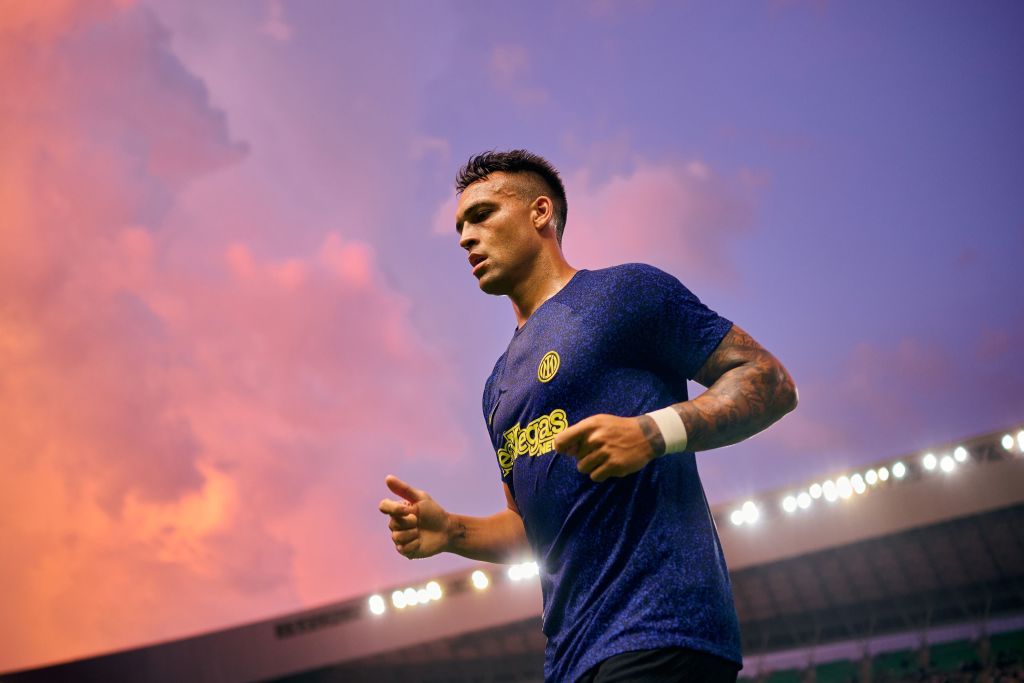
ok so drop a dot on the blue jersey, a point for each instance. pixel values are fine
(630, 563)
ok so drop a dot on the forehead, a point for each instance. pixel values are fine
(497, 187)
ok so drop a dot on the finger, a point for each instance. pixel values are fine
(395, 507)
(403, 537)
(592, 461)
(405, 522)
(602, 473)
(568, 441)
(404, 490)
(409, 549)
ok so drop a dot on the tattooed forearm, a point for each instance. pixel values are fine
(652, 433)
(748, 390)
(456, 531)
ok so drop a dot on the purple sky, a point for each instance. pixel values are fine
(263, 217)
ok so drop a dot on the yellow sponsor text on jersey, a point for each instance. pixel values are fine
(534, 439)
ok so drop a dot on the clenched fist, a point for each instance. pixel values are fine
(419, 526)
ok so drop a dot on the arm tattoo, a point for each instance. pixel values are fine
(457, 532)
(748, 390)
(653, 435)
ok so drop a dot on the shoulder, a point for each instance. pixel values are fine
(633, 272)
(637, 279)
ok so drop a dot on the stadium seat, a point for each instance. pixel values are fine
(898, 663)
(952, 656)
(785, 676)
(842, 671)
(1009, 643)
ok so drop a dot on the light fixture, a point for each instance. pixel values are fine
(376, 604)
(480, 580)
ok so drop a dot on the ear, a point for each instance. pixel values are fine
(542, 211)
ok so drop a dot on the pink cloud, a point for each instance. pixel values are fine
(684, 212)
(509, 68)
(275, 25)
(186, 413)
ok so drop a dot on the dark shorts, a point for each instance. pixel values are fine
(663, 665)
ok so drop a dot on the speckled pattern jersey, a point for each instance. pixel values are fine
(630, 563)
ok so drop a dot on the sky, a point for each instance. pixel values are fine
(232, 298)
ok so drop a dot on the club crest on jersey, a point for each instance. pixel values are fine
(548, 366)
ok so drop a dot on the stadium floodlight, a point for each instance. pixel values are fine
(843, 486)
(857, 482)
(960, 454)
(929, 461)
(434, 590)
(829, 491)
(1020, 440)
(377, 604)
(412, 597)
(398, 599)
(736, 517)
(815, 490)
(871, 477)
(898, 470)
(480, 580)
(518, 572)
(750, 512)
(947, 464)
(883, 474)
(803, 500)
(1007, 442)
(789, 504)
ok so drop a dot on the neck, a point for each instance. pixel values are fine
(547, 277)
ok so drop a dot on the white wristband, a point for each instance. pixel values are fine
(673, 431)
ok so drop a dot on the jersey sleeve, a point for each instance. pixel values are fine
(676, 331)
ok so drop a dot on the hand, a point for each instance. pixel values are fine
(419, 526)
(607, 445)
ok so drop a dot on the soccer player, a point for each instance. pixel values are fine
(588, 415)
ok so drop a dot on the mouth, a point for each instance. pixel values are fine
(475, 260)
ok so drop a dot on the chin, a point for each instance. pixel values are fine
(490, 285)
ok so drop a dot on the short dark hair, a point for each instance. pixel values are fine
(517, 161)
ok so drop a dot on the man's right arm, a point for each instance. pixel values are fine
(500, 538)
(420, 527)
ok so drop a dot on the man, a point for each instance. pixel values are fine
(595, 438)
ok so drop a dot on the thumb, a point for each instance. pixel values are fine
(404, 490)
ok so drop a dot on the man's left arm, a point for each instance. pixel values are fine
(748, 389)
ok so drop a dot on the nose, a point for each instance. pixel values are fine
(467, 240)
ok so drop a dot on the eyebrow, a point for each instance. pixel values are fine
(484, 203)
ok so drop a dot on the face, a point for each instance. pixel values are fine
(497, 228)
